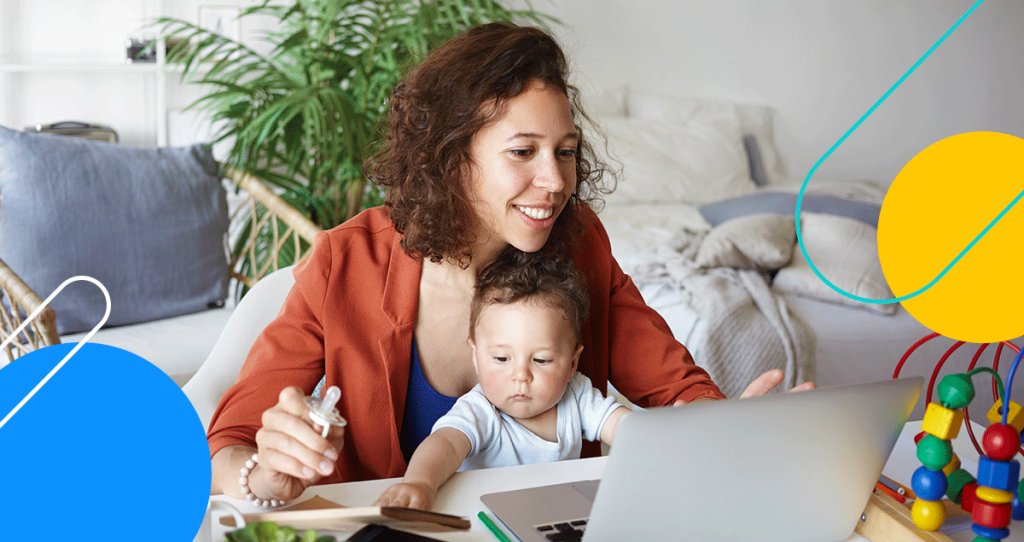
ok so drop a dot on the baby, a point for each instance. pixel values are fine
(531, 405)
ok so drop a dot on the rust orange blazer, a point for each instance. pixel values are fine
(351, 316)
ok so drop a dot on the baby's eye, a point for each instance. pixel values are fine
(541, 360)
(501, 359)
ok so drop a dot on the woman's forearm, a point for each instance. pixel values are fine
(226, 465)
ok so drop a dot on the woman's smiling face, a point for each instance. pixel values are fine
(523, 170)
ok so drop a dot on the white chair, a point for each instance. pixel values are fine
(220, 370)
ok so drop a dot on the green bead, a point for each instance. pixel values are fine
(934, 453)
(1020, 487)
(983, 539)
(956, 391)
(956, 482)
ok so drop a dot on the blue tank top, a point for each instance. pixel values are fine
(423, 406)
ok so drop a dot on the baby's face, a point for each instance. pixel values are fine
(525, 354)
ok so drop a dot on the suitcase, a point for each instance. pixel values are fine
(84, 130)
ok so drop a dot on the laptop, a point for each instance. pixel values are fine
(789, 467)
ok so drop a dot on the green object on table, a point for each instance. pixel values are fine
(492, 527)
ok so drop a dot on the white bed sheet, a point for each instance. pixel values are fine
(852, 344)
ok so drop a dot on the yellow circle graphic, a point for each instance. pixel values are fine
(936, 207)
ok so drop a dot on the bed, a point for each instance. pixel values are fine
(702, 201)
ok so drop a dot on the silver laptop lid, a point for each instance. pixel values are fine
(794, 467)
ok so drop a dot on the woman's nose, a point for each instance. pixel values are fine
(550, 175)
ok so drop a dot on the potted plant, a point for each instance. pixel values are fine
(303, 116)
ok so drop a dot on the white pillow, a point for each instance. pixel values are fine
(753, 119)
(762, 242)
(668, 162)
(845, 251)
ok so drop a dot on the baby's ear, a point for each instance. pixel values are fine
(576, 357)
(472, 346)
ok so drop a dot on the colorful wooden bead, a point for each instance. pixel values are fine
(956, 390)
(928, 515)
(934, 452)
(991, 494)
(1018, 508)
(1001, 441)
(969, 496)
(929, 485)
(953, 465)
(989, 532)
(982, 539)
(942, 422)
(1015, 417)
(990, 514)
(957, 481)
(1003, 475)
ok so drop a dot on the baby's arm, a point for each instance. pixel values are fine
(611, 425)
(432, 464)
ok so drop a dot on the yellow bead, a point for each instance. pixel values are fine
(928, 515)
(953, 465)
(1014, 418)
(942, 422)
(993, 495)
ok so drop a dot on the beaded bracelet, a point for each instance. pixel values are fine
(244, 486)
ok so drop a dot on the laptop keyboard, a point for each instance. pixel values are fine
(563, 531)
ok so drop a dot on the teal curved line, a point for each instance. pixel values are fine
(803, 187)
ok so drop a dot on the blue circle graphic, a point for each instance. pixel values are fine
(109, 448)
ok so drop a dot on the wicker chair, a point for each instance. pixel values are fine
(261, 211)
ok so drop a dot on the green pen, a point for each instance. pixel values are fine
(492, 527)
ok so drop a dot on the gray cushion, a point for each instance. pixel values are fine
(147, 223)
(784, 203)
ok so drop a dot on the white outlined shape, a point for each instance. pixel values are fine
(84, 340)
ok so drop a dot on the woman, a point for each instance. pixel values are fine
(481, 153)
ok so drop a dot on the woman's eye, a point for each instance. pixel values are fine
(567, 153)
(521, 153)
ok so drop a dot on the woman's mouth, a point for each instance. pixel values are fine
(537, 213)
(537, 217)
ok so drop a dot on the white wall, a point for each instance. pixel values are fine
(821, 64)
(93, 32)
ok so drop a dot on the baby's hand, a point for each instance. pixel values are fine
(410, 495)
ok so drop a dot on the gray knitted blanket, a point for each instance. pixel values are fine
(748, 328)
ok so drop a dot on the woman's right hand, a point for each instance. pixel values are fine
(292, 454)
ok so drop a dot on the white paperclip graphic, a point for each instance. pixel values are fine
(84, 340)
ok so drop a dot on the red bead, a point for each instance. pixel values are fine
(919, 436)
(1000, 441)
(969, 496)
(992, 515)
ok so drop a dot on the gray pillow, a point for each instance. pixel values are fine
(784, 203)
(147, 223)
(755, 161)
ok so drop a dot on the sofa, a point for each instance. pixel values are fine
(174, 236)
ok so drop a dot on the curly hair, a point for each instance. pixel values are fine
(436, 109)
(551, 279)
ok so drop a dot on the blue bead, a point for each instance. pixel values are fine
(990, 532)
(998, 474)
(929, 485)
(1018, 508)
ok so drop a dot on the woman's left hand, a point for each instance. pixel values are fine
(762, 385)
(767, 381)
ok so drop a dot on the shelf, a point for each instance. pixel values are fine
(107, 67)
